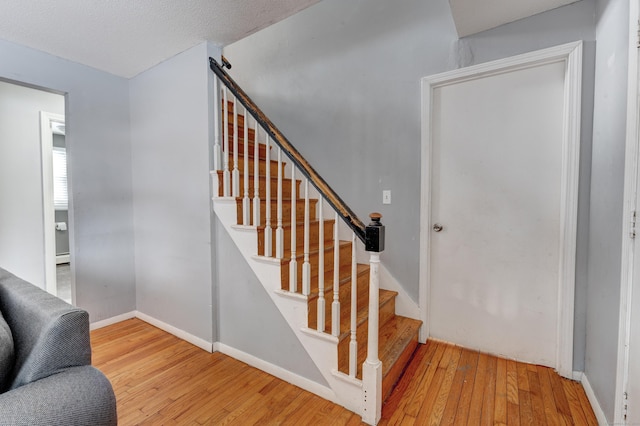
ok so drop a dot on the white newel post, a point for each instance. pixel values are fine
(372, 367)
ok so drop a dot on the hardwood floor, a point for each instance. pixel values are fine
(161, 380)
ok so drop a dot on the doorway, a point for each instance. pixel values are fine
(56, 205)
(499, 206)
(23, 246)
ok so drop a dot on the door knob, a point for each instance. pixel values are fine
(437, 227)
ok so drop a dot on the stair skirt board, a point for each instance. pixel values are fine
(293, 309)
(277, 371)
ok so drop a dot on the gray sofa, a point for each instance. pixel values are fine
(46, 377)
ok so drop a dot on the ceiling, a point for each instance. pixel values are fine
(126, 37)
(473, 16)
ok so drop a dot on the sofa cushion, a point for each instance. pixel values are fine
(7, 354)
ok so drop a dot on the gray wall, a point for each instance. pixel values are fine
(21, 207)
(171, 197)
(342, 80)
(607, 177)
(248, 319)
(97, 122)
(62, 237)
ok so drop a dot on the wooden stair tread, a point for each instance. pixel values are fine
(363, 311)
(315, 250)
(398, 351)
(404, 330)
(398, 337)
(344, 278)
(288, 225)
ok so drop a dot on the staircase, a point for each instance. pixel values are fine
(302, 242)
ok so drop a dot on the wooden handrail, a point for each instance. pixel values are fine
(317, 181)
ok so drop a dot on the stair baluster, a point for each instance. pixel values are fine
(235, 175)
(279, 229)
(321, 301)
(256, 178)
(353, 344)
(306, 266)
(335, 306)
(293, 263)
(246, 202)
(267, 228)
(226, 175)
(217, 149)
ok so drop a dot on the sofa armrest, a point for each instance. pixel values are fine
(49, 334)
(77, 396)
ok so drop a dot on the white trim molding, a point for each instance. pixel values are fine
(269, 368)
(277, 371)
(181, 334)
(46, 149)
(113, 320)
(630, 200)
(595, 404)
(188, 337)
(571, 55)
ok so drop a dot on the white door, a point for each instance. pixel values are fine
(496, 224)
(632, 398)
(628, 393)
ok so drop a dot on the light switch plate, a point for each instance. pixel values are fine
(386, 196)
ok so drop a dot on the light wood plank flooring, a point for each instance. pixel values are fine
(161, 380)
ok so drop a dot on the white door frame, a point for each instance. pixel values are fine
(46, 145)
(628, 278)
(571, 55)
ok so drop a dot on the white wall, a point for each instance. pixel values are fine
(171, 196)
(21, 208)
(97, 122)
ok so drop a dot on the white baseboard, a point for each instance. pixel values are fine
(602, 420)
(188, 337)
(279, 372)
(181, 334)
(63, 258)
(113, 320)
